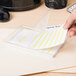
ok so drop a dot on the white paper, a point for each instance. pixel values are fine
(48, 41)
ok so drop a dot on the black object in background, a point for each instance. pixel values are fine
(19, 5)
(16, 5)
(56, 4)
(4, 15)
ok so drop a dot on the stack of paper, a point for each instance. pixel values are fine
(48, 41)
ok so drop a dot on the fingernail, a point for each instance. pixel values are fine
(71, 33)
(68, 34)
(65, 27)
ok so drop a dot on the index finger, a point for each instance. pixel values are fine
(69, 22)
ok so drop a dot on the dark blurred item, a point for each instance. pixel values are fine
(16, 5)
(19, 5)
(56, 4)
(4, 15)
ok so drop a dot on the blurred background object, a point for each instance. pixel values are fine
(56, 4)
(15, 5)
(19, 5)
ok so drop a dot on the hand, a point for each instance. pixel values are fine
(71, 24)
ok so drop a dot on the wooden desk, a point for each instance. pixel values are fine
(30, 18)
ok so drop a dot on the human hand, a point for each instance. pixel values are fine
(71, 24)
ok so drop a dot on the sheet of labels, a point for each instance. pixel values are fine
(48, 41)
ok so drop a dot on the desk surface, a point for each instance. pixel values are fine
(30, 18)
